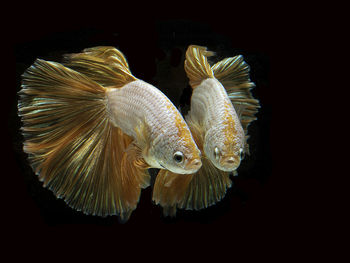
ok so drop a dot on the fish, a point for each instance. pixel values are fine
(222, 107)
(92, 130)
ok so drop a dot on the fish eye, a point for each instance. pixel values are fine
(241, 153)
(178, 157)
(216, 153)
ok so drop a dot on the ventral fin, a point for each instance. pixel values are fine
(133, 177)
(169, 188)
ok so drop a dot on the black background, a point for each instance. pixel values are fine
(256, 210)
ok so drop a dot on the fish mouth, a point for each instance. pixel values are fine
(229, 163)
(190, 168)
(194, 165)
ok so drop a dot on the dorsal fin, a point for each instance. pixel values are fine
(105, 65)
(197, 66)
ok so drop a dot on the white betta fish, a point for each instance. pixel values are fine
(92, 129)
(219, 130)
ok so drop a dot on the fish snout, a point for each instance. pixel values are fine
(194, 165)
(230, 162)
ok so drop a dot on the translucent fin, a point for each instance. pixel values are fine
(71, 144)
(207, 187)
(233, 74)
(200, 190)
(133, 178)
(105, 65)
(196, 131)
(197, 66)
(192, 192)
(169, 189)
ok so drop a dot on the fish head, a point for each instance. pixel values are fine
(225, 147)
(176, 150)
(182, 158)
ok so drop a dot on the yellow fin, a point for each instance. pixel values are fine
(168, 190)
(208, 186)
(196, 131)
(133, 178)
(191, 192)
(233, 74)
(105, 65)
(196, 65)
(71, 144)
(142, 136)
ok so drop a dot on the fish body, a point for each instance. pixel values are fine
(91, 129)
(139, 104)
(213, 111)
(222, 107)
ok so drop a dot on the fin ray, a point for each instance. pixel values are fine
(169, 189)
(196, 65)
(72, 145)
(105, 65)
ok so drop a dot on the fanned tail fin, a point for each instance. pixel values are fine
(71, 144)
(233, 74)
(196, 65)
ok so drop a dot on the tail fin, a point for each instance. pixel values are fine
(71, 144)
(105, 65)
(233, 74)
(197, 66)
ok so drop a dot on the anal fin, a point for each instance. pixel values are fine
(169, 189)
(134, 175)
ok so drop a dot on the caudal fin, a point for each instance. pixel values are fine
(71, 144)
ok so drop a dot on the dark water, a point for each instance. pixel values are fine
(155, 51)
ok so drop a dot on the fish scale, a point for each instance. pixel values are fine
(128, 111)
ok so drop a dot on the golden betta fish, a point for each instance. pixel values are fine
(219, 129)
(92, 130)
